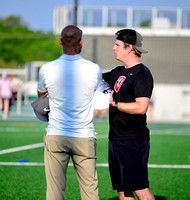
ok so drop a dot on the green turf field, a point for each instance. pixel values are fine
(22, 168)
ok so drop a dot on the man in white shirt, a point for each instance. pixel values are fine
(70, 82)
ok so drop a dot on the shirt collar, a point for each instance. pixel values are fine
(70, 57)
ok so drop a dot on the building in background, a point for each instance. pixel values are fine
(132, 17)
(166, 33)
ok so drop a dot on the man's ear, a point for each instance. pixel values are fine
(80, 43)
(130, 47)
(60, 42)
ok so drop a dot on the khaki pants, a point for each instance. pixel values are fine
(58, 150)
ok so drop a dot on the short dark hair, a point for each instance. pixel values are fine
(71, 36)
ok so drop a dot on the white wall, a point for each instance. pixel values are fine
(171, 103)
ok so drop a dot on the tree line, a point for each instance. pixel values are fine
(19, 44)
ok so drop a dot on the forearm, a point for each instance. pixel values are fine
(131, 108)
(140, 106)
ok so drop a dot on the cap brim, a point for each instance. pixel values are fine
(140, 49)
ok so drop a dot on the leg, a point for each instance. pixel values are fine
(6, 109)
(133, 155)
(96, 113)
(105, 112)
(84, 160)
(122, 196)
(1, 103)
(56, 163)
(144, 194)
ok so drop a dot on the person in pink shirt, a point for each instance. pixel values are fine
(5, 94)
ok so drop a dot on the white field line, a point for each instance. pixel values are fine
(32, 146)
(21, 164)
(169, 131)
(98, 165)
(16, 129)
(42, 144)
(5, 151)
(169, 166)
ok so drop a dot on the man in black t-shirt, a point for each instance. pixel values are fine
(131, 86)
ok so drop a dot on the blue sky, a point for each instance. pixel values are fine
(38, 14)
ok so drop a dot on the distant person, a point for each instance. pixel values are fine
(70, 83)
(16, 88)
(101, 113)
(5, 94)
(131, 85)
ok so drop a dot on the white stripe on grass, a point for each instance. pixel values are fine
(98, 165)
(5, 151)
(26, 147)
(17, 129)
(32, 146)
(168, 131)
(169, 166)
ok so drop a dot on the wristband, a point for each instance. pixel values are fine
(115, 105)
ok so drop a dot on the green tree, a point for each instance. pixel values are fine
(19, 44)
(146, 23)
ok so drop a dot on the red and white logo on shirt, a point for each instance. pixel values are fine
(119, 83)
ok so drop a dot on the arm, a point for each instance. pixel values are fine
(107, 77)
(140, 105)
(100, 82)
(41, 84)
(42, 93)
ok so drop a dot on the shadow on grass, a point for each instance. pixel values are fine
(156, 197)
(160, 198)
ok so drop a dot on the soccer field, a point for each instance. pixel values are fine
(22, 167)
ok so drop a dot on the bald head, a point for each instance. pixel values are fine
(71, 39)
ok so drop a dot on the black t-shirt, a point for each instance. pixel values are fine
(128, 84)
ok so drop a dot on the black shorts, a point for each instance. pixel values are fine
(128, 164)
